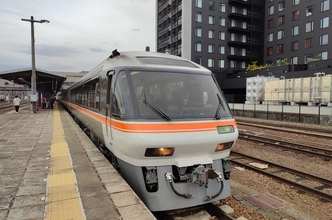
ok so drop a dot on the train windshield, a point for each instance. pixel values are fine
(167, 95)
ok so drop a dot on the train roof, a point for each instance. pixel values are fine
(137, 59)
(143, 58)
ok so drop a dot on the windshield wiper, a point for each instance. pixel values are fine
(220, 104)
(155, 109)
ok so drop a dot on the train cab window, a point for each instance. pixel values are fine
(177, 95)
(121, 99)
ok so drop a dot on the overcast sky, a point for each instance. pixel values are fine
(80, 35)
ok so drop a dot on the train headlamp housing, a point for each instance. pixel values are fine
(223, 146)
(159, 152)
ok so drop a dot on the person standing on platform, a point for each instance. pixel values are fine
(51, 102)
(43, 103)
(17, 102)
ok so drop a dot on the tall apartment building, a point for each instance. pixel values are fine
(218, 34)
(227, 35)
(297, 30)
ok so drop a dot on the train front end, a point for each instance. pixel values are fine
(172, 132)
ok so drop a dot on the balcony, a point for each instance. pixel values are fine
(247, 2)
(238, 28)
(238, 14)
(238, 56)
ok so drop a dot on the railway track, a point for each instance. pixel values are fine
(5, 106)
(214, 211)
(298, 178)
(309, 150)
(317, 132)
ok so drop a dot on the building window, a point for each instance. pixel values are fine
(244, 25)
(222, 21)
(198, 46)
(325, 5)
(198, 32)
(270, 10)
(232, 51)
(281, 5)
(296, 2)
(233, 37)
(270, 24)
(270, 51)
(199, 3)
(309, 10)
(198, 60)
(243, 52)
(232, 63)
(222, 49)
(324, 22)
(281, 34)
(295, 30)
(270, 37)
(233, 23)
(281, 20)
(244, 39)
(244, 11)
(309, 42)
(309, 26)
(211, 5)
(210, 62)
(243, 65)
(293, 60)
(198, 17)
(324, 55)
(211, 19)
(324, 39)
(222, 63)
(279, 59)
(280, 49)
(306, 57)
(211, 48)
(295, 15)
(211, 34)
(295, 46)
(233, 9)
(222, 7)
(221, 35)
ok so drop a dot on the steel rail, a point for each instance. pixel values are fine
(321, 194)
(283, 144)
(327, 132)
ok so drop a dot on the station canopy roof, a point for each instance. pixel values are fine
(43, 77)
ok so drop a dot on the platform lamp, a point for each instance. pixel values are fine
(33, 77)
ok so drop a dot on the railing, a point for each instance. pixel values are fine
(321, 115)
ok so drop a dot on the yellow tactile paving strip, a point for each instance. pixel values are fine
(63, 200)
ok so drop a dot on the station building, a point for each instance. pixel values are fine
(48, 83)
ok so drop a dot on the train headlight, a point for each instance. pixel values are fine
(159, 152)
(223, 146)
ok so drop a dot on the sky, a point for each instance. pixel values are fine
(80, 35)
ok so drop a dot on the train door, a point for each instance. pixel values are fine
(108, 108)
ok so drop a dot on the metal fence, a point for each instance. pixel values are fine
(321, 115)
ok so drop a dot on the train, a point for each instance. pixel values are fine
(164, 123)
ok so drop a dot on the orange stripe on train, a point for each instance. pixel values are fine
(169, 127)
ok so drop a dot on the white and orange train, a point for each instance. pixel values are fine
(163, 121)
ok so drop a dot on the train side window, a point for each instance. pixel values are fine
(92, 94)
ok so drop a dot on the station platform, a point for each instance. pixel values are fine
(49, 169)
